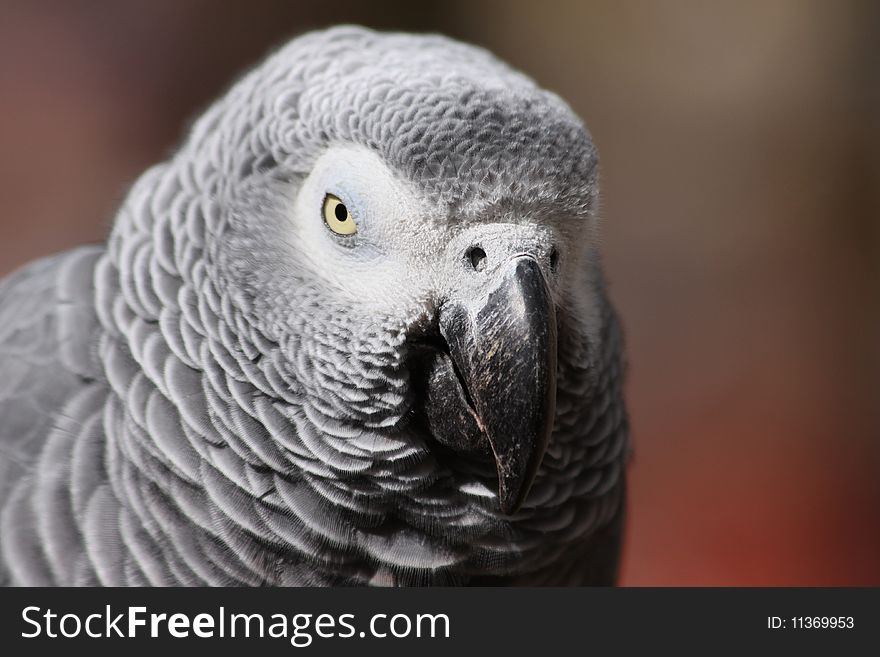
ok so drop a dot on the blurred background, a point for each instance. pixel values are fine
(740, 150)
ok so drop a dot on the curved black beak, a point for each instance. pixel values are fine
(503, 344)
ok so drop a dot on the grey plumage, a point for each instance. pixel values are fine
(227, 393)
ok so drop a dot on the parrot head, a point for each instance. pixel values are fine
(410, 227)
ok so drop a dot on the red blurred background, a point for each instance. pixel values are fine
(740, 147)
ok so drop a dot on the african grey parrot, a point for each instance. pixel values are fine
(354, 331)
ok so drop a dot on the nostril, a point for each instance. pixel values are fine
(554, 261)
(477, 258)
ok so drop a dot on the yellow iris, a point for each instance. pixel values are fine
(337, 217)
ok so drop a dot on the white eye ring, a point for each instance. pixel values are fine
(337, 216)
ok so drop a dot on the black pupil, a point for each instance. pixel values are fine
(341, 212)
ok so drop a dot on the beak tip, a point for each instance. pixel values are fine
(512, 493)
(509, 506)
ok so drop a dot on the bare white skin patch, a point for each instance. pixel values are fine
(406, 256)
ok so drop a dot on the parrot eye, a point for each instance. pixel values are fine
(337, 217)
